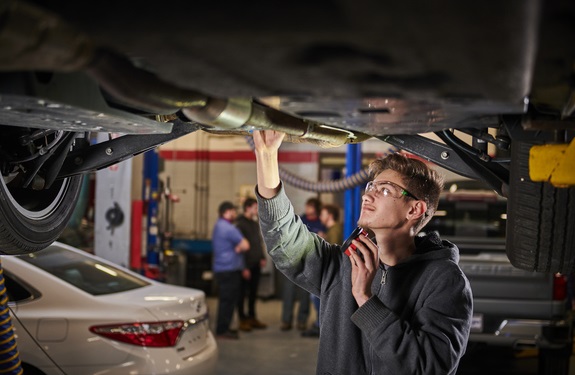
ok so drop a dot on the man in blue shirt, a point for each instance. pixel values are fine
(228, 244)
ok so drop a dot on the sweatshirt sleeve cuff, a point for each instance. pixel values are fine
(274, 208)
(370, 315)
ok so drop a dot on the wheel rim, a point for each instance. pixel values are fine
(36, 204)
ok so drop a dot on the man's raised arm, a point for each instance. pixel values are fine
(267, 144)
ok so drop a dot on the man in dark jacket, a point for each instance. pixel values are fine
(400, 304)
(254, 260)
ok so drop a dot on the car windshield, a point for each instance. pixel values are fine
(83, 272)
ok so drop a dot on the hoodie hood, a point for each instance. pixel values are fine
(431, 246)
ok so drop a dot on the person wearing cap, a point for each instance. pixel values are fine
(228, 245)
(400, 304)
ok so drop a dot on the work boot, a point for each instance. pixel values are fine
(245, 325)
(257, 324)
(312, 332)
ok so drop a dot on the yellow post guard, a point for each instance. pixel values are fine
(553, 163)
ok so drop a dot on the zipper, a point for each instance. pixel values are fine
(384, 276)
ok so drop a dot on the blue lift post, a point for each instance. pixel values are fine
(352, 201)
(151, 197)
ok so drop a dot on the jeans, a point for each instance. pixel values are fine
(291, 293)
(315, 300)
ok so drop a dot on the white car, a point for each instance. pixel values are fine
(75, 313)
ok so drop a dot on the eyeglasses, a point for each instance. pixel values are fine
(388, 189)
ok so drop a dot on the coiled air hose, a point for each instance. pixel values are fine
(331, 186)
(9, 356)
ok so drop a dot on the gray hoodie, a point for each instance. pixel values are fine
(416, 322)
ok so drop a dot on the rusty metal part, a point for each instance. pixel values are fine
(241, 116)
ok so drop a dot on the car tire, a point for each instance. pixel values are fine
(31, 220)
(541, 218)
(555, 356)
(553, 361)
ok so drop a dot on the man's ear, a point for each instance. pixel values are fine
(417, 210)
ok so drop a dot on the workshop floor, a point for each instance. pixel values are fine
(267, 351)
(272, 351)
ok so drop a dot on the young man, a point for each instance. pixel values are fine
(310, 216)
(401, 304)
(254, 260)
(228, 244)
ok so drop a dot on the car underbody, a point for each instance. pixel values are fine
(328, 72)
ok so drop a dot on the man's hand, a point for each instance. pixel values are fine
(267, 141)
(246, 274)
(243, 246)
(363, 268)
(267, 144)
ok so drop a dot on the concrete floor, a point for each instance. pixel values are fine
(267, 351)
(271, 351)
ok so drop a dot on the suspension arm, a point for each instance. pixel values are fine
(104, 154)
(433, 151)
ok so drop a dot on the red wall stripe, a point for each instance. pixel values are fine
(223, 156)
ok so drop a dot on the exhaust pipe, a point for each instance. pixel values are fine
(242, 115)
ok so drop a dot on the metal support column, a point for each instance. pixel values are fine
(352, 206)
(151, 197)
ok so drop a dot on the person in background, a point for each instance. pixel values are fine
(228, 244)
(254, 260)
(312, 220)
(329, 217)
(310, 216)
(290, 291)
(399, 303)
